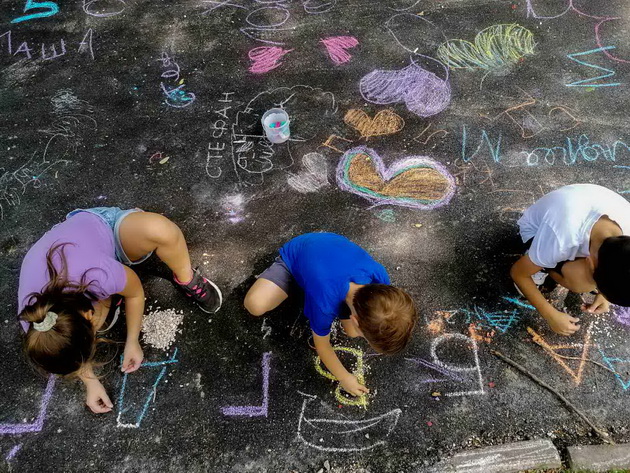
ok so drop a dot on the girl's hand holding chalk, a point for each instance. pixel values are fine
(133, 356)
(96, 397)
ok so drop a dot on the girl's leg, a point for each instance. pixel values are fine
(263, 296)
(143, 232)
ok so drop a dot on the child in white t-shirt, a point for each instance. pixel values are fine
(577, 235)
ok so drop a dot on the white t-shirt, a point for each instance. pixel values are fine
(561, 222)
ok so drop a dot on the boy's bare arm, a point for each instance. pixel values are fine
(559, 322)
(328, 356)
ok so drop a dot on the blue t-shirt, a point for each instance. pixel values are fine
(323, 265)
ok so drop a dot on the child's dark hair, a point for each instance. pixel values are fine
(386, 316)
(72, 340)
(612, 274)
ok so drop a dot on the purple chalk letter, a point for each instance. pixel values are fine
(254, 411)
(38, 424)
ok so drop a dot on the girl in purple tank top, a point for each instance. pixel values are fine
(69, 276)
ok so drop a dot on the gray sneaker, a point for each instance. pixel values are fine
(204, 292)
(538, 278)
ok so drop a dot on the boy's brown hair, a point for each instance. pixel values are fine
(386, 316)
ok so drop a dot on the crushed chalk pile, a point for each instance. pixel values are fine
(161, 326)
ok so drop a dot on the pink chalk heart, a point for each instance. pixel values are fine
(423, 92)
(266, 58)
(337, 46)
(415, 181)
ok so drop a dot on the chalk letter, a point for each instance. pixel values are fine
(218, 147)
(52, 8)
(8, 40)
(219, 126)
(223, 112)
(226, 97)
(24, 49)
(458, 368)
(54, 51)
(254, 411)
(86, 43)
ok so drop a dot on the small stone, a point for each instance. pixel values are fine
(599, 457)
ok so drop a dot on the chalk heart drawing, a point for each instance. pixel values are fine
(266, 58)
(385, 122)
(422, 91)
(416, 181)
(314, 174)
(337, 47)
(494, 48)
(340, 434)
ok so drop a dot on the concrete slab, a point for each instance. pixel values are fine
(600, 457)
(512, 457)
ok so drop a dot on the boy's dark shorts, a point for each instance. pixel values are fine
(279, 274)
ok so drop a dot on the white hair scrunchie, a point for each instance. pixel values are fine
(45, 325)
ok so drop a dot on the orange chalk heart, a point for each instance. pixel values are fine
(385, 122)
(414, 181)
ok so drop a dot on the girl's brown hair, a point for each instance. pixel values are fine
(72, 340)
(386, 316)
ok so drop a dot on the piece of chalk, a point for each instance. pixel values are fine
(272, 125)
(278, 124)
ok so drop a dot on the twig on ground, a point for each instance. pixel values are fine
(586, 359)
(602, 434)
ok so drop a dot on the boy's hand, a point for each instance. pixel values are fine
(351, 385)
(96, 397)
(599, 306)
(133, 356)
(562, 323)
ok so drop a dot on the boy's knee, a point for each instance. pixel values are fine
(254, 307)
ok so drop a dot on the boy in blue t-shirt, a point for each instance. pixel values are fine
(339, 279)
